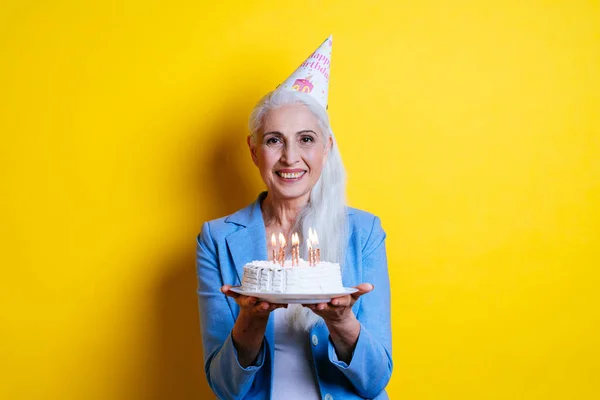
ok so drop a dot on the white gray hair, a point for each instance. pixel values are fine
(326, 210)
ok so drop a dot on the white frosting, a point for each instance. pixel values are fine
(265, 276)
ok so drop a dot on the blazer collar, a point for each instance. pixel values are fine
(250, 215)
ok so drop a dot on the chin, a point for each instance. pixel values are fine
(291, 194)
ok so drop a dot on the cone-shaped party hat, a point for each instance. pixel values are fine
(312, 76)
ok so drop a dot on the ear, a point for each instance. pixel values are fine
(252, 148)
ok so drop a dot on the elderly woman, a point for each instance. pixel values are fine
(258, 350)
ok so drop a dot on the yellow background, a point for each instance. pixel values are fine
(471, 129)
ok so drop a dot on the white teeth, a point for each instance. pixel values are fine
(292, 175)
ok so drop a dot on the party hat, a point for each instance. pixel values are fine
(312, 76)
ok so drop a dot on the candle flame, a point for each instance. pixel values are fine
(295, 239)
(282, 241)
(273, 240)
(315, 239)
(308, 244)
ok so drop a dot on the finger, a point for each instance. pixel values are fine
(263, 305)
(269, 307)
(247, 301)
(363, 288)
(225, 290)
(343, 301)
(321, 306)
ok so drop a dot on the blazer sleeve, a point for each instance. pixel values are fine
(371, 365)
(226, 377)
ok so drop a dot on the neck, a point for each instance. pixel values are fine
(282, 213)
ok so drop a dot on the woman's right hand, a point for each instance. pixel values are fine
(249, 330)
(251, 306)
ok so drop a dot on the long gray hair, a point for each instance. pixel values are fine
(326, 210)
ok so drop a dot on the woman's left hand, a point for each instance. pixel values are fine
(339, 309)
(343, 326)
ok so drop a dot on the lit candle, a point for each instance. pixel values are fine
(282, 244)
(318, 249)
(309, 247)
(295, 249)
(273, 246)
(311, 237)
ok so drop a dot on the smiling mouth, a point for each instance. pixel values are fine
(291, 175)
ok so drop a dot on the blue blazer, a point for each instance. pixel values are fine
(225, 245)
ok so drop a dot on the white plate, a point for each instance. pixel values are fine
(294, 298)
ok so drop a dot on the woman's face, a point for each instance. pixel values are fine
(291, 152)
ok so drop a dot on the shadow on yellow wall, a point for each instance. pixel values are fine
(178, 372)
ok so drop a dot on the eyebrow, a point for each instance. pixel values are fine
(297, 133)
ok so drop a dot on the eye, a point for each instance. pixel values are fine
(273, 140)
(307, 139)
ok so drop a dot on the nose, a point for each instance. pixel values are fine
(290, 154)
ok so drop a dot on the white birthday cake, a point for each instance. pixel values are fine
(266, 276)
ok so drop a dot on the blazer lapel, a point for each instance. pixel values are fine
(249, 242)
(246, 245)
